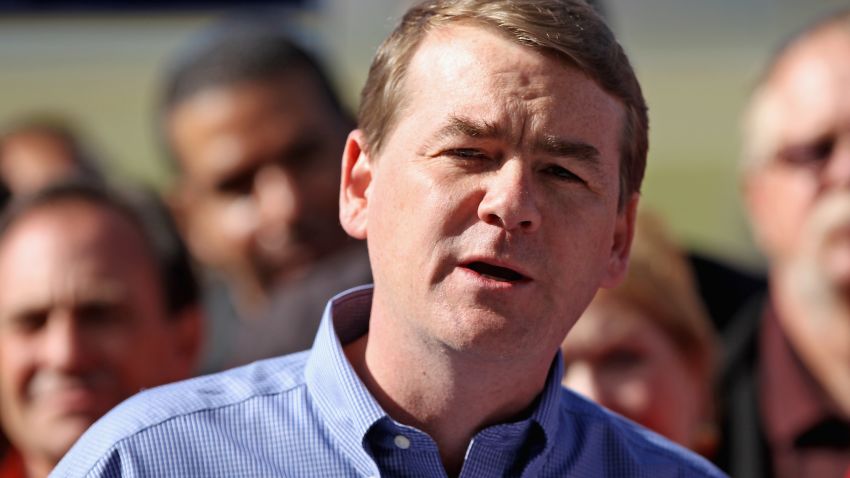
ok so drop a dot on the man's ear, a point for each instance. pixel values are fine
(355, 186)
(624, 231)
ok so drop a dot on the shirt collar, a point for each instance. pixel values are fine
(792, 401)
(345, 402)
(341, 397)
(547, 412)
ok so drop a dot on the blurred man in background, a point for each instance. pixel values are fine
(788, 372)
(38, 151)
(256, 131)
(96, 304)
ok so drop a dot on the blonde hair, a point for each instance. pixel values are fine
(661, 283)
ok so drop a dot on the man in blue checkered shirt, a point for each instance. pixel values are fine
(495, 177)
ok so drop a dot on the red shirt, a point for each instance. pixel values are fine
(807, 436)
(12, 465)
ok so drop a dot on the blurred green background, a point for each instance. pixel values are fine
(696, 59)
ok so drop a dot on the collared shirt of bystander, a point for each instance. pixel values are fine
(308, 414)
(803, 429)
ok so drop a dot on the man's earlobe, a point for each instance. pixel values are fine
(624, 231)
(354, 186)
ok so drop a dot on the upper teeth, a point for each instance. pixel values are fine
(500, 279)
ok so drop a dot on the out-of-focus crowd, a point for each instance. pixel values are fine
(107, 289)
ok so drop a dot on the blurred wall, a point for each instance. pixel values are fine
(696, 59)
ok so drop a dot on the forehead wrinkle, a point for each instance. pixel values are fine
(68, 286)
(546, 143)
(471, 128)
(89, 284)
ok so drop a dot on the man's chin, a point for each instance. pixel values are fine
(55, 436)
(821, 273)
(486, 332)
(287, 266)
(64, 417)
(73, 420)
(284, 260)
(74, 401)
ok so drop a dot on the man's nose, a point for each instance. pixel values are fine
(277, 194)
(837, 171)
(509, 201)
(65, 346)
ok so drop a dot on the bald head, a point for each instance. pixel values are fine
(806, 76)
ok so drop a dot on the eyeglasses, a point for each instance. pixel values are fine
(812, 155)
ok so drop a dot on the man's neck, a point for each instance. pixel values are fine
(38, 467)
(441, 393)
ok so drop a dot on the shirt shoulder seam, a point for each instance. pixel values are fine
(117, 444)
(646, 446)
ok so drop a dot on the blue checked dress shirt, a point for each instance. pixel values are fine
(308, 414)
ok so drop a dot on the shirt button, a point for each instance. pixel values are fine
(402, 442)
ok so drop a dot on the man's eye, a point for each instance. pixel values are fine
(29, 322)
(97, 314)
(562, 173)
(464, 153)
(241, 184)
(813, 154)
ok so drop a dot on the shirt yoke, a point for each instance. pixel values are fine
(627, 445)
(157, 408)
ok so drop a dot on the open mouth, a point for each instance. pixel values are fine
(497, 273)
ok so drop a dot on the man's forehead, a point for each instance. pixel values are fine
(483, 84)
(809, 89)
(457, 53)
(71, 250)
(73, 226)
(68, 288)
(224, 128)
(819, 58)
(291, 92)
(456, 48)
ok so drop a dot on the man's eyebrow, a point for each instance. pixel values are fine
(463, 126)
(567, 148)
(552, 145)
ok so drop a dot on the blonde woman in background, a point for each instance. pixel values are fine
(646, 349)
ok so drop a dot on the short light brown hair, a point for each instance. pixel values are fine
(568, 29)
